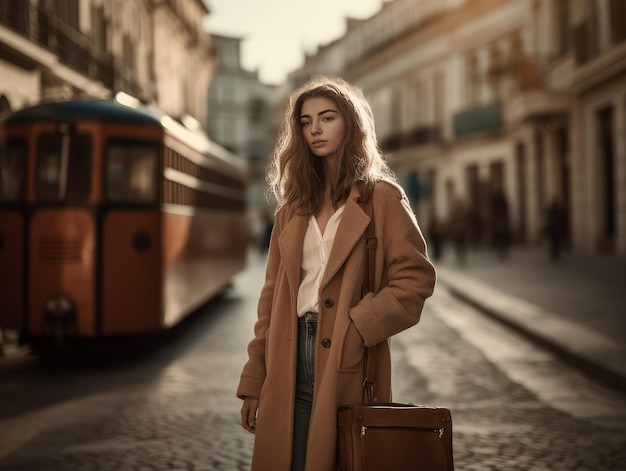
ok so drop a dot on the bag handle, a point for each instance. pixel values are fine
(369, 282)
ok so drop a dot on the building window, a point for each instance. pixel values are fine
(439, 98)
(471, 91)
(99, 26)
(617, 11)
(496, 72)
(67, 11)
(15, 15)
(593, 40)
(257, 109)
(421, 92)
(228, 93)
(562, 19)
(128, 52)
(396, 110)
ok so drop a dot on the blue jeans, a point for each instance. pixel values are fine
(305, 374)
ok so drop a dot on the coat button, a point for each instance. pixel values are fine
(329, 302)
(326, 342)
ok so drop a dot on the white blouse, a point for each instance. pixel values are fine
(315, 252)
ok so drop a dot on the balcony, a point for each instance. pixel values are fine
(42, 28)
(481, 120)
(418, 136)
(611, 63)
(538, 105)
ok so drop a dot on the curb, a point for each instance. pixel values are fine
(591, 353)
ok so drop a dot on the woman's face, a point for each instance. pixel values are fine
(323, 127)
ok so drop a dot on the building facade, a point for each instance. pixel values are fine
(155, 50)
(505, 106)
(242, 119)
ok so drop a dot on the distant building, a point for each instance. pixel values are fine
(155, 50)
(242, 114)
(478, 99)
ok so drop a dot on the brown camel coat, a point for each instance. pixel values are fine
(346, 324)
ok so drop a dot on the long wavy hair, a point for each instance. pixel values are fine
(296, 176)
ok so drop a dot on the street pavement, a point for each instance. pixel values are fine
(575, 307)
(514, 406)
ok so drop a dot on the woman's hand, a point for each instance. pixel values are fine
(248, 413)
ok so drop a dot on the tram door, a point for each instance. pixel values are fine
(61, 255)
(13, 155)
(132, 295)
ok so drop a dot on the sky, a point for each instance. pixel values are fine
(276, 33)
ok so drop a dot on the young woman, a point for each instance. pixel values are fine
(306, 357)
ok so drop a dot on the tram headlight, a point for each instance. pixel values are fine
(141, 241)
(59, 306)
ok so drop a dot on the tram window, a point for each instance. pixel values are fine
(64, 167)
(131, 173)
(12, 166)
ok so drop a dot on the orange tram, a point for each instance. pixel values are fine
(115, 221)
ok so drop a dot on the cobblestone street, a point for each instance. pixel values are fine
(514, 407)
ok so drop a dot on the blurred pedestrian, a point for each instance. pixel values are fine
(458, 230)
(500, 224)
(436, 235)
(306, 357)
(476, 227)
(555, 229)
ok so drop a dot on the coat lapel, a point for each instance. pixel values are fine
(354, 222)
(290, 247)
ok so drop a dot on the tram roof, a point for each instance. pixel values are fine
(104, 110)
(112, 110)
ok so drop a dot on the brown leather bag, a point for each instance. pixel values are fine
(394, 437)
(390, 436)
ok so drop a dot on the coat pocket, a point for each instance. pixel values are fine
(352, 348)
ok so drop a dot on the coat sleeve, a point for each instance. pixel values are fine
(407, 275)
(253, 374)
